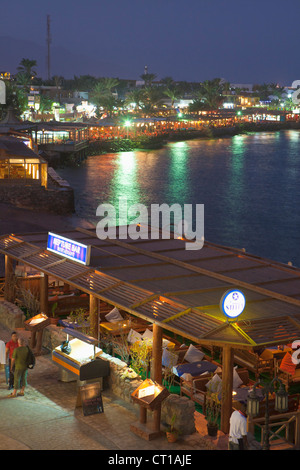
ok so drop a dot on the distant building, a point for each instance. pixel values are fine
(248, 87)
(19, 163)
(5, 76)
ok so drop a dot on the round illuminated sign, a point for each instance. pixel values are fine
(233, 303)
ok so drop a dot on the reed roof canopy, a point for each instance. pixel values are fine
(178, 289)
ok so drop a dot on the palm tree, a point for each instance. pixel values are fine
(276, 90)
(167, 81)
(152, 99)
(109, 103)
(197, 105)
(135, 96)
(45, 103)
(148, 78)
(173, 93)
(24, 80)
(102, 94)
(289, 105)
(26, 66)
(211, 93)
(263, 91)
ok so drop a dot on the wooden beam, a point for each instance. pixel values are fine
(243, 334)
(145, 301)
(94, 324)
(54, 263)
(157, 354)
(227, 382)
(157, 369)
(84, 273)
(9, 287)
(177, 315)
(44, 305)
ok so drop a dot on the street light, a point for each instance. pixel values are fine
(127, 125)
(281, 404)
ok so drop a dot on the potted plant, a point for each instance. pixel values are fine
(213, 408)
(54, 319)
(80, 318)
(172, 433)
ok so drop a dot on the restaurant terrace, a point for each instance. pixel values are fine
(19, 163)
(174, 289)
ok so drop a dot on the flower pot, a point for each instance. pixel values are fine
(54, 320)
(172, 436)
(212, 430)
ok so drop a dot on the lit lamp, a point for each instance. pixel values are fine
(281, 399)
(253, 403)
(127, 125)
(281, 404)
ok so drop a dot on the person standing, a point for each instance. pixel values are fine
(19, 362)
(9, 349)
(238, 429)
(2, 355)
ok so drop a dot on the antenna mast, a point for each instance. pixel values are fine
(48, 47)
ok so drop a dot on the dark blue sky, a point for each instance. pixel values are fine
(252, 41)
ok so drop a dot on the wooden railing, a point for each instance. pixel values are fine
(287, 429)
(2, 285)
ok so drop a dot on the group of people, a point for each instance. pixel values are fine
(15, 355)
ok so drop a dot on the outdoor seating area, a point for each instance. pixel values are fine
(287, 371)
(197, 388)
(147, 295)
(254, 362)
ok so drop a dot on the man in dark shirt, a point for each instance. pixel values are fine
(19, 361)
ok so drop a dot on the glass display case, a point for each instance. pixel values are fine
(80, 356)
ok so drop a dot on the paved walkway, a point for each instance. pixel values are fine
(46, 417)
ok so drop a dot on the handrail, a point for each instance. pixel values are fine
(278, 420)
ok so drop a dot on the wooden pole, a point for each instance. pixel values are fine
(297, 431)
(94, 316)
(227, 382)
(157, 369)
(157, 354)
(44, 305)
(9, 288)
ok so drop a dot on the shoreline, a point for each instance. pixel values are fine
(211, 132)
(17, 220)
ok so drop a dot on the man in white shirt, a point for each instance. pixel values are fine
(238, 429)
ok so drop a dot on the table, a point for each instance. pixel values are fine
(241, 393)
(115, 328)
(195, 368)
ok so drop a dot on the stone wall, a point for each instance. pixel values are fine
(57, 199)
(183, 411)
(10, 315)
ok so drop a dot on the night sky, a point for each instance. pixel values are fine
(252, 41)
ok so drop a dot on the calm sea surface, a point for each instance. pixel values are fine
(249, 185)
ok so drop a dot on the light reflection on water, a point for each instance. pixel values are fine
(249, 185)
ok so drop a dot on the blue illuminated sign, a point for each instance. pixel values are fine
(69, 248)
(233, 303)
